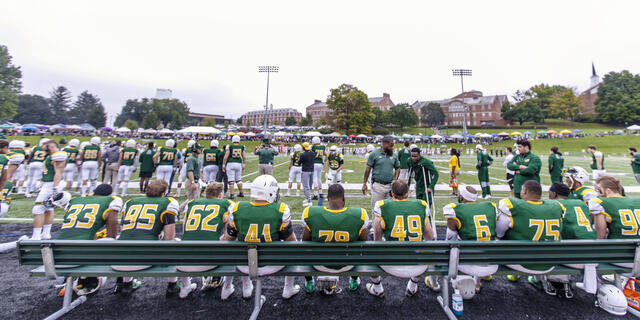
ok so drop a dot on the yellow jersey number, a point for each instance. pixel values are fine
(210, 157)
(253, 236)
(139, 217)
(338, 236)
(197, 213)
(167, 156)
(545, 227)
(129, 155)
(88, 213)
(39, 155)
(236, 153)
(414, 227)
(630, 220)
(483, 233)
(90, 154)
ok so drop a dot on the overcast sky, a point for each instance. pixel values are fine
(209, 54)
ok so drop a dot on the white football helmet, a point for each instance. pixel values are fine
(190, 143)
(479, 147)
(74, 143)
(170, 143)
(297, 148)
(58, 200)
(130, 143)
(577, 174)
(333, 149)
(315, 140)
(466, 286)
(214, 143)
(612, 300)
(235, 139)
(43, 141)
(265, 187)
(14, 144)
(370, 148)
(95, 141)
(83, 144)
(411, 147)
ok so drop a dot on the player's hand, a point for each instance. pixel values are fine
(364, 189)
(429, 190)
(194, 185)
(522, 167)
(224, 169)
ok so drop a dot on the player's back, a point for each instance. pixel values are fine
(128, 156)
(535, 220)
(38, 154)
(204, 219)
(90, 153)
(326, 225)
(476, 221)
(72, 152)
(84, 216)
(577, 222)
(258, 222)
(403, 220)
(142, 217)
(622, 215)
(166, 156)
(235, 152)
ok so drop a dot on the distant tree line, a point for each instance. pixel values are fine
(151, 113)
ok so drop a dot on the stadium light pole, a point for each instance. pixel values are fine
(462, 73)
(268, 70)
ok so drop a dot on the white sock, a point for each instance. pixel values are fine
(186, 281)
(289, 282)
(84, 191)
(4, 247)
(173, 279)
(227, 281)
(179, 189)
(124, 187)
(46, 231)
(37, 234)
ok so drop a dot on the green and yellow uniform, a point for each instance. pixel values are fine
(531, 172)
(621, 214)
(295, 157)
(476, 221)
(85, 216)
(577, 223)
(424, 173)
(583, 193)
(72, 152)
(484, 160)
(128, 156)
(235, 153)
(319, 151)
(4, 160)
(556, 163)
(38, 155)
(204, 219)
(635, 164)
(48, 170)
(212, 157)
(90, 153)
(326, 225)
(335, 160)
(144, 218)
(404, 156)
(402, 220)
(167, 156)
(146, 161)
(594, 163)
(259, 222)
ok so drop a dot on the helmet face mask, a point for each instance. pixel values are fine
(577, 174)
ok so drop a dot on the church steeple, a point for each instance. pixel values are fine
(594, 77)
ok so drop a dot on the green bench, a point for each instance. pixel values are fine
(94, 258)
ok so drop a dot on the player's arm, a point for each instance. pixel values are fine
(599, 161)
(600, 217)
(230, 230)
(168, 219)
(378, 223)
(306, 232)
(120, 159)
(110, 217)
(286, 230)
(58, 167)
(363, 233)
(453, 224)
(156, 156)
(367, 171)
(504, 220)
(99, 158)
(290, 163)
(396, 165)
(341, 164)
(433, 173)
(224, 160)
(243, 159)
(175, 159)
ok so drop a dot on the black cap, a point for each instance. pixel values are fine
(103, 190)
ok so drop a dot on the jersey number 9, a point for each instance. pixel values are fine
(139, 217)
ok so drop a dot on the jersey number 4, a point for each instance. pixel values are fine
(252, 233)
(414, 227)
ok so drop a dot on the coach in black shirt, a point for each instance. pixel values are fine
(306, 160)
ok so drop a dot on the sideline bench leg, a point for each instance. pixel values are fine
(258, 300)
(633, 311)
(443, 298)
(67, 304)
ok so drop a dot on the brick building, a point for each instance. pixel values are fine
(275, 116)
(319, 109)
(481, 110)
(590, 95)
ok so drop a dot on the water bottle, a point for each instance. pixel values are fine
(456, 302)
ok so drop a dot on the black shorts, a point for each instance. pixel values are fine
(146, 174)
(510, 180)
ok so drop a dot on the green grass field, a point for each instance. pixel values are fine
(353, 174)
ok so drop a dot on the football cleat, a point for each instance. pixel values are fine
(513, 278)
(231, 196)
(354, 283)
(128, 287)
(288, 193)
(488, 278)
(371, 288)
(172, 289)
(315, 197)
(186, 290)
(287, 293)
(432, 283)
(412, 288)
(227, 291)
(247, 289)
(310, 286)
(328, 285)
(210, 283)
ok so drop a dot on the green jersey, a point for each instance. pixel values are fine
(594, 163)
(402, 220)
(556, 163)
(72, 152)
(90, 153)
(404, 156)
(621, 214)
(476, 221)
(326, 225)
(4, 193)
(635, 163)
(319, 151)
(128, 156)
(235, 153)
(295, 158)
(533, 220)
(382, 165)
(167, 156)
(259, 222)
(204, 219)
(4, 160)
(421, 168)
(146, 161)
(335, 160)
(212, 157)
(84, 216)
(265, 155)
(144, 218)
(48, 169)
(583, 193)
(531, 172)
(483, 159)
(193, 165)
(577, 223)
(38, 155)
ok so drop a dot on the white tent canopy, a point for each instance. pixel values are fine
(123, 129)
(73, 127)
(281, 134)
(149, 130)
(334, 134)
(250, 134)
(633, 127)
(456, 136)
(196, 129)
(436, 136)
(361, 135)
(312, 134)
